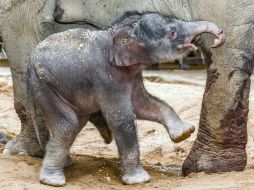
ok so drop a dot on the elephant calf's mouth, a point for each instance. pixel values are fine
(188, 45)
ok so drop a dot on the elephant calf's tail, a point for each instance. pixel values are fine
(31, 106)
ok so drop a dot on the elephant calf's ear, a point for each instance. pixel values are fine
(127, 51)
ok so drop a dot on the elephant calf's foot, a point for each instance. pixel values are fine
(181, 132)
(23, 146)
(137, 176)
(54, 178)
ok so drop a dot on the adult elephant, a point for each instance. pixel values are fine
(222, 135)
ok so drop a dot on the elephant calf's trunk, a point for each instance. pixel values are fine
(200, 27)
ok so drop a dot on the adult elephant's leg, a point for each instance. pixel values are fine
(222, 134)
(25, 143)
(24, 24)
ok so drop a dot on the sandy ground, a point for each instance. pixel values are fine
(96, 165)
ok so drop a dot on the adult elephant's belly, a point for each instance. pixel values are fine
(100, 13)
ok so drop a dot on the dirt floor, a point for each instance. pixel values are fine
(96, 165)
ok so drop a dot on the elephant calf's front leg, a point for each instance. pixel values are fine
(124, 131)
(120, 117)
(150, 108)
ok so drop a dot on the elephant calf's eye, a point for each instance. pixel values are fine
(172, 34)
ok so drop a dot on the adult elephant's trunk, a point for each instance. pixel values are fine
(200, 27)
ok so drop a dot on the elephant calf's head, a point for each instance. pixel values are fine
(151, 37)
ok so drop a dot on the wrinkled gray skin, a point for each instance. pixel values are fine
(80, 72)
(222, 135)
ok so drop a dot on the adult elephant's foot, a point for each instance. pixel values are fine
(212, 159)
(139, 175)
(181, 132)
(52, 177)
(26, 142)
(23, 145)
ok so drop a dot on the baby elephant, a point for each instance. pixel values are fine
(77, 73)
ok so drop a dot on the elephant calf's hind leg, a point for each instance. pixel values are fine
(63, 134)
(64, 125)
(100, 123)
